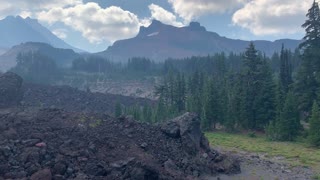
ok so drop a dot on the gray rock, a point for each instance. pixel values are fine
(169, 166)
(10, 134)
(44, 174)
(60, 168)
(187, 127)
(95, 170)
(30, 142)
(144, 145)
(171, 129)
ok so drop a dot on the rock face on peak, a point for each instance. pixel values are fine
(160, 41)
(195, 26)
(10, 90)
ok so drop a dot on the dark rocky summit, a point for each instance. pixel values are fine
(161, 41)
(49, 143)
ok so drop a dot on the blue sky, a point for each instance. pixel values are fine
(94, 25)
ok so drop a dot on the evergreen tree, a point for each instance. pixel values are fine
(314, 132)
(285, 71)
(289, 123)
(118, 110)
(257, 91)
(211, 111)
(264, 103)
(308, 78)
(147, 114)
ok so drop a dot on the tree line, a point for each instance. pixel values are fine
(253, 93)
(246, 91)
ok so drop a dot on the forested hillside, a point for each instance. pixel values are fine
(249, 91)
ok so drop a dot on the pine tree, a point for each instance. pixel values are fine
(307, 86)
(264, 103)
(257, 91)
(312, 27)
(314, 132)
(285, 71)
(211, 106)
(118, 110)
(289, 123)
(147, 114)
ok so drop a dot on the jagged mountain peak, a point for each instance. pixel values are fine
(160, 41)
(15, 30)
(196, 26)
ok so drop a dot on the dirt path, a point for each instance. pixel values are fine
(257, 167)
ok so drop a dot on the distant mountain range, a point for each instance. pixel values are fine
(17, 30)
(160, 41)
(62, 57)
(157, 42)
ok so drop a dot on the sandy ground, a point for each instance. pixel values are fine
(256, 167)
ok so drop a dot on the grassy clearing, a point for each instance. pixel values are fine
(295, 153)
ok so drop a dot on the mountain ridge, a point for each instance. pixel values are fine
(161, 41)
(17, 30)
(62, 57)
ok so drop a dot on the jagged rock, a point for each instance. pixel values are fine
(10, 90)
(10, 134)
(60, 168)
(95, 170)
(171, 129)
(187, 127)
(44, 174)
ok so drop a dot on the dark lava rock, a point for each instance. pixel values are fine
(10, 89)
(51, 144)
(10, 134)
(171, 129)
(60, 168)
(44, 174)
(74, 100)
(187, 127)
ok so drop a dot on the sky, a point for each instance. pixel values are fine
(93, 25)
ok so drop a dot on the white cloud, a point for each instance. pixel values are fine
(61, 33)
(25, 14)
(267, 17)
(164, 16)
(95, 23)
(15, 7)
(193, 9)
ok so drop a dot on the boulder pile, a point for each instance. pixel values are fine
(64, 142)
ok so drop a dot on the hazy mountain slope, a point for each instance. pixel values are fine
(16, 30)
(160, 41)
(3, 50)
(62, 57)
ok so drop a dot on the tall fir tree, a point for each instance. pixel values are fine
(118, 110)
(289, 122)
(285, 70)
(308, 78)
(257, 91)
(264, 103)
(314, 132)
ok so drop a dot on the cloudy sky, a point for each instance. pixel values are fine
(93, 25)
